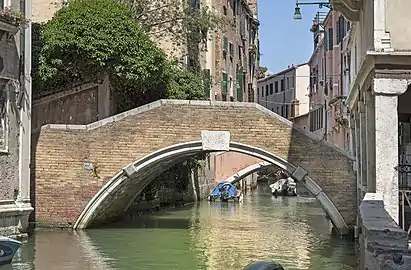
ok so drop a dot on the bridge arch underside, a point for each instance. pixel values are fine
(116, 196)
(248, 171)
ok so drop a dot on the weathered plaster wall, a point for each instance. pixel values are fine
(9, 125)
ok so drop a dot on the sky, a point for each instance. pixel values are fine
(284, 41)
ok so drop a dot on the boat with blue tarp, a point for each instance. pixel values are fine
(225, 191)
(8, 248)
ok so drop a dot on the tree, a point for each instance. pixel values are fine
(261, 72)
(185, 84)
(184, 23)
(90, 39)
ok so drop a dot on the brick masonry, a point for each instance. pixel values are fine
(62, 187)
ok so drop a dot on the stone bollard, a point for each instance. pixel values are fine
(264, 265)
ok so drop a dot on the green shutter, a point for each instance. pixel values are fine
(224, 84)
(225, 43)
(1, 4)
(207, 82)
(240, 84)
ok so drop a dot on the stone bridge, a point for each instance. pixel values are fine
(85, 175)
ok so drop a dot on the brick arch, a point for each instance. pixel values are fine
(117, 194)
(64, 183)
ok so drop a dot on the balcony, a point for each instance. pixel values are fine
(349, 8)
(11, 20)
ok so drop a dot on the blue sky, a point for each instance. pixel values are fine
(284, 41)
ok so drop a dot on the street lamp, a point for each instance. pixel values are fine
(297, 11)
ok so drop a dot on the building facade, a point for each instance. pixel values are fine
(379, 99)
(328, 84)
(15, 111)
(286, 92)
(232, 55)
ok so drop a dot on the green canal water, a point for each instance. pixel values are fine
(293, 231)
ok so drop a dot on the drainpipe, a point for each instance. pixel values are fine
(325, 87)
(25, 107)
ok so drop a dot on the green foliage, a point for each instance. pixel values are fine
(89, 39)
(185, 84)
(177, 19)
(261, 72)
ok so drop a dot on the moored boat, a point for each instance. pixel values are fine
(8, 248)
(225, 192)
(284, 187)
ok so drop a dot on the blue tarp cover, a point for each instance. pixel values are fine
(231, 190)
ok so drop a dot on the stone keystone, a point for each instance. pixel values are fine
(215, 140)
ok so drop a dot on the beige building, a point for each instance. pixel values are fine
(379, 98)
(286, 92)
(232, 57)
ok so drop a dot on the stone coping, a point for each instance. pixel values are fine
(377, 226)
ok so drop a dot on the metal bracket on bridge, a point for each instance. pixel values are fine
(299, 174)
(215, 140)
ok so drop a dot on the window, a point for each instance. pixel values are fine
(282, 85)
(1, 4)
(330, 39)
(240, 58)
(266, 90)
(240, 83)
(288, 83)
(250, 92)
(276, 86)
(317, 119)
(292, 82)
(231, 49)
(271, 89)
(224, 84)
(207, 82)
(262, 91)
(225, 43)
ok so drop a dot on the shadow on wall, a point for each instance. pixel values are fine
(325, 156)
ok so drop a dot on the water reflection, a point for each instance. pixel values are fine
(293, 231)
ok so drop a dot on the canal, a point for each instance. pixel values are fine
(293, 231)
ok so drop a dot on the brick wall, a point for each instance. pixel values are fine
(64, 187)
(75, 106)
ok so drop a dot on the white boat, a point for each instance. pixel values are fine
(8, 248)
(284, 187)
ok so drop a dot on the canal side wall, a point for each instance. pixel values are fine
(383, 244)
(201, 184)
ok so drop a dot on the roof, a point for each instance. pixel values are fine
(281, 72)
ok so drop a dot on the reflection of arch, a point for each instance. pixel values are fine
(247, 171)
(145, 169)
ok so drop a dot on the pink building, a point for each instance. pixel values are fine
(328, 85)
